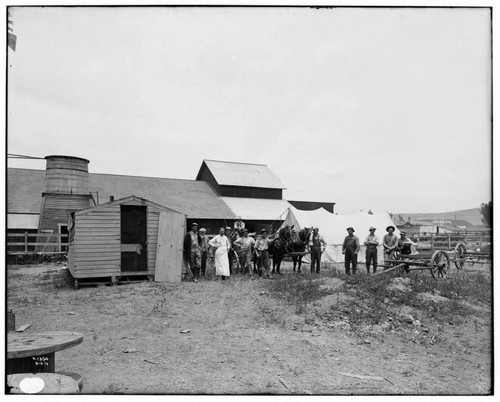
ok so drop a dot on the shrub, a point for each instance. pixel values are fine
(297, 290)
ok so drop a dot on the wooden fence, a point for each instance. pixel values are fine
(42, 243)
(472, 240)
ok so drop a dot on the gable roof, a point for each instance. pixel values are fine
(241, 174)
(121, 201)
(196, 199)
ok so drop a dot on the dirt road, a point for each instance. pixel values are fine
(232, 337)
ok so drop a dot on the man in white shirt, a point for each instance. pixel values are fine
(371, 244)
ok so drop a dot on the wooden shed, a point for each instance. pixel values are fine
(129, 237)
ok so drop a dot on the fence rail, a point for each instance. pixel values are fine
(36, 242)
(450, 240)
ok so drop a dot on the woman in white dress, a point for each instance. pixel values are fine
(221, 245)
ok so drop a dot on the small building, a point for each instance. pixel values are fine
(129, 237)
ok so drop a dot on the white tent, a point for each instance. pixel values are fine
(333, 228)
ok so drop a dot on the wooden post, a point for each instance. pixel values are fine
(432, 241)
(11, 321)
(449, 241)
(26, 241)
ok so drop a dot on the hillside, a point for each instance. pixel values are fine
(472, 215)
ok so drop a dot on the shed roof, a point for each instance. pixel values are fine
(241, 174)
(121, 201)
(258, 208)
(196, 199)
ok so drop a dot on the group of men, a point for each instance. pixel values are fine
(229, 249)
(391, 244)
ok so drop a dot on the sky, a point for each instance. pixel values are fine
(387, 109)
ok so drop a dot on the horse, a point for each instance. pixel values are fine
(289, 241)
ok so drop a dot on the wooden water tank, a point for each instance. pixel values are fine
(67, 175)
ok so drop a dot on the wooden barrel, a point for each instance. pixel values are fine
(67, 175)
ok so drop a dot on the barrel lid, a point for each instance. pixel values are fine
(67, 157)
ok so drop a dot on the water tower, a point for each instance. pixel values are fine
(66, 190)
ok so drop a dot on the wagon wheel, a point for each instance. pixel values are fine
(460, 251)
(440, 265)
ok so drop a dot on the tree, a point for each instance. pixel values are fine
(11, 38)
(487, 213)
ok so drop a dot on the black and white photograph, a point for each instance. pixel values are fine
(249, 199)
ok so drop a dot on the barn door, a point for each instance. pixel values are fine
(134, 253)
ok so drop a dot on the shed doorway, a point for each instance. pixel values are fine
(134, 236)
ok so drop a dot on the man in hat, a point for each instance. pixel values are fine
(350, 249)
(371, 244)
(405, 245)
(317, 245)
(245, 245)
(192, 250)
(390, 244)
(239, 225)
(262, 253)
(204, 250)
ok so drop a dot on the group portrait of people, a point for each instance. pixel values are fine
(233, 250)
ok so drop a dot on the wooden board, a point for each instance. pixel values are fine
(26, 345)
(169, 247)
(44, 383)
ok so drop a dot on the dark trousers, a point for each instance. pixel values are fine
(195, 262)
(350, 256)
(371, 258)
(315, 260)
(203, 262)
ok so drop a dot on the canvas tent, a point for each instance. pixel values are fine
(333, 229)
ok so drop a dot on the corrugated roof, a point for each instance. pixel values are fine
(196, 199)
(243, 174)
(258, 208)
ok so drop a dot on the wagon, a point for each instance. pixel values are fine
(436, 262)
(462, 255)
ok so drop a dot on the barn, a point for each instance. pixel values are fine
(253, 192)
(125, 239)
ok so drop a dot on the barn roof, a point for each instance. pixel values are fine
(196, 199)
(241, 174)
(258, 208)
(24, 190)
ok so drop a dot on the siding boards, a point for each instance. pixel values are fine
(97, 243)
(96, 248)
(153, 218)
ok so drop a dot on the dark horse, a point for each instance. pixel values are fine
(288, 241)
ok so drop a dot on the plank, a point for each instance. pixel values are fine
(23, 328)
(94, 274)
(97, 261)
(168, 266)
(362, 377)
(91, 266)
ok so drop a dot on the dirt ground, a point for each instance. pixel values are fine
(232, 337)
